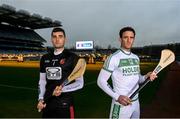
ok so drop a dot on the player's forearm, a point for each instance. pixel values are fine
(42, 85)
(103, 84)
(142, 78)
(78, 84)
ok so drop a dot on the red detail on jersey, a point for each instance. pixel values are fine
(62, 61)
(71, 112)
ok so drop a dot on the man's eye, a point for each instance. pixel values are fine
(54, 37)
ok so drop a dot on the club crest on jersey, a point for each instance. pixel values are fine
(62, 61)
(53, 73)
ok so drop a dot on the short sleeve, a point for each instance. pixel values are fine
(110, 64)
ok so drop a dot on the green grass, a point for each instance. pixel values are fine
(91, 101)
(18, 89)
(20, 100)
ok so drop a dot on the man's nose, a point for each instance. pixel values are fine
(57, 39)
(129, 39)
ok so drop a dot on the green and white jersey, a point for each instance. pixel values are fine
(125, 70)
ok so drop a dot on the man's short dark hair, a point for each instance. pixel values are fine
(58, 29)
(124, 29)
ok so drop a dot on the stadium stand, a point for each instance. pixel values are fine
(12, 37)
(18, 39)
(22, 18)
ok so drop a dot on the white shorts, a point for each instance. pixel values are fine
(119, 111)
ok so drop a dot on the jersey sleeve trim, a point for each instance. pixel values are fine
(109, 63)
(106, 64)
(107, 70)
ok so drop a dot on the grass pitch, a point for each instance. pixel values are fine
(18, 90)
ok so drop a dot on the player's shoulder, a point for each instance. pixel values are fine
(112, 61)
(134, 55)
(47, 55)
(115, 54)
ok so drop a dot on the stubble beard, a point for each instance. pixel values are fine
(58, 47)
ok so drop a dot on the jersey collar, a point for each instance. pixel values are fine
(125, 52)
(58, 52)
